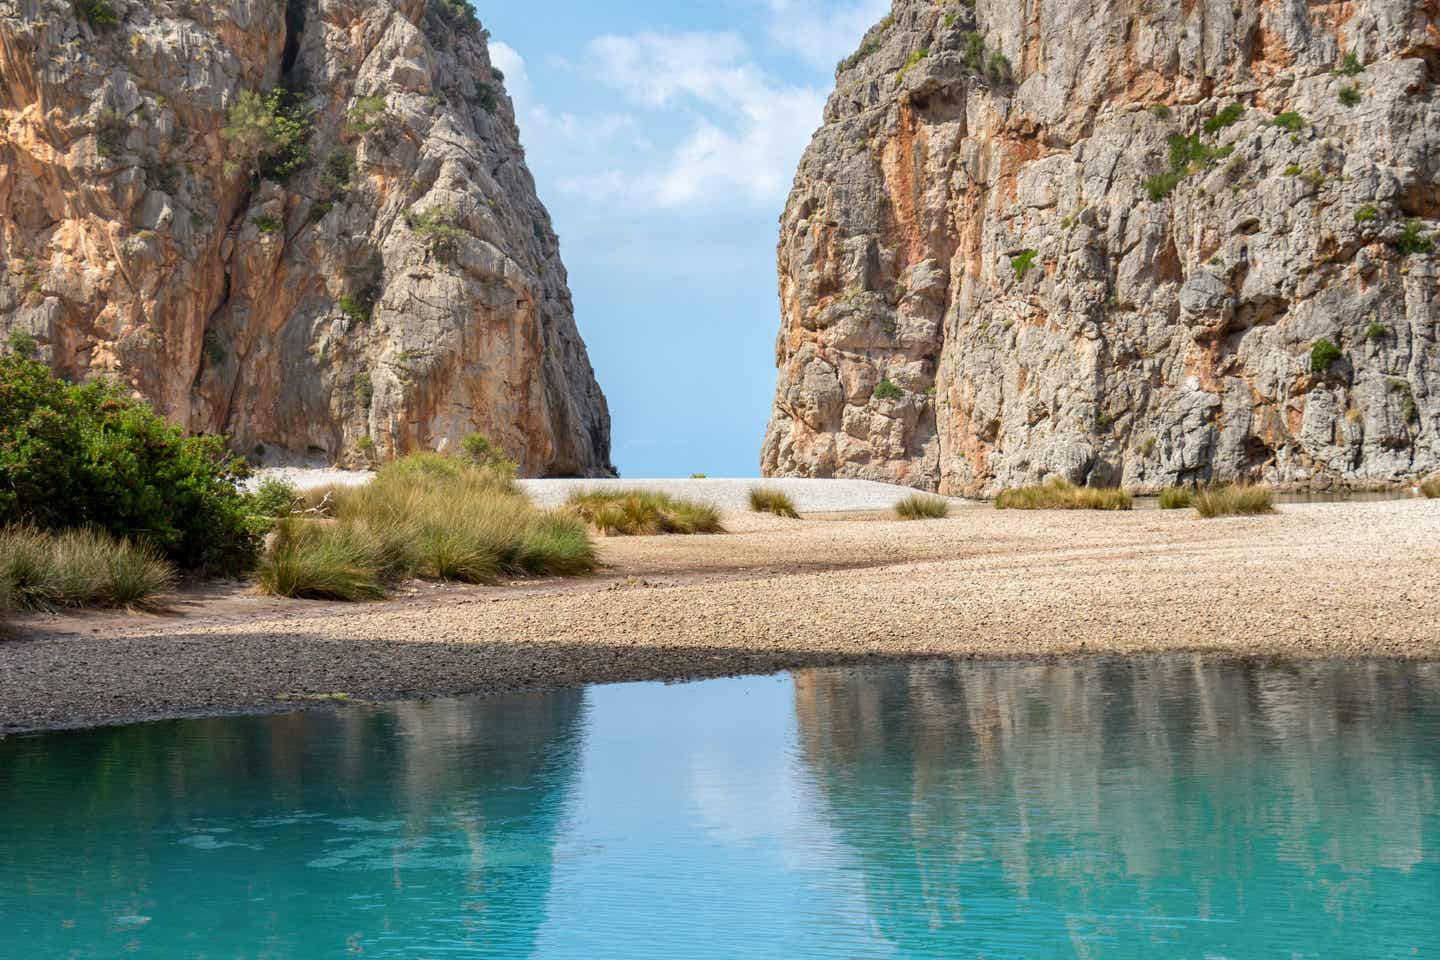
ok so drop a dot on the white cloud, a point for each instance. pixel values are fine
(819, 31)
(544, 129)
(746, 130)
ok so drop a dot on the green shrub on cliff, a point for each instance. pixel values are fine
(1323, 355)
(97, 13)
(267, 136)
(78, 456)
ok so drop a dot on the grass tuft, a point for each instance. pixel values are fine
(922, 507)
(638, 513)
(80, 568)
(1431, 488)
(1235, 501)
(770, 500)
(425, 517)
(1060, 494)
(1177, 498)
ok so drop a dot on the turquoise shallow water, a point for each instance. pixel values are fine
(1152, 809)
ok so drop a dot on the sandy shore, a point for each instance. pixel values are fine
(1318, 580)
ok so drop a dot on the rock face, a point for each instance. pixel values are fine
(1116, 242)
(354, 270)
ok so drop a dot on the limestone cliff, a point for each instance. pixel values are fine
(1118, 241)
(308, 225)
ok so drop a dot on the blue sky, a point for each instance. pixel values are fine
(664, 138)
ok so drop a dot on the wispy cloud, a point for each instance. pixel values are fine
(821, 32)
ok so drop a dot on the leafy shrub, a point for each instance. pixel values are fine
(1162, 185)
(886, 390)
(997, 68)
(1230, 115)
(1234, 501)
(1376, 331)
(22, 344)
(1294, 170)
(1412, 241)
(1160, 111)
(1349, 95)
(426, 516)
(1176, 498)
(369, 113)
(1365, 214)
(770, 500)
(643, 513)
(354, 308)
(1351, 66)
(1022, 263)
(1058, 494)
(436, 226)
(1323, 355)
(915, 57)
(1290, 120)
(478, 449)
(97, 13)
(79, 568)
(266, 223)
(274, 499)
(88, 456)
(921, 507)
(267, 136)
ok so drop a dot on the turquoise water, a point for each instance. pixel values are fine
(1152, 809)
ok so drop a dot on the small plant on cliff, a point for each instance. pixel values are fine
(921, 507)
(268, 136)
(1323, 355)
(997, 68)
(1234, 501)
(1160, 111)
(1351, 66)
(1412, 241)
(1225, 118)
(268, 223)
(368, 114)
(1290, 120)
(1022, 263)
(1376, 331)
(478, 449)
(770, 500)
(1349, 95)
(885, 390)
(436, 226)
(910, 61)
(97, 13)
(22, 344)
(1366, 213)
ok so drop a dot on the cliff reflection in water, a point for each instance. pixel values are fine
(445, 812)
(1135, 804)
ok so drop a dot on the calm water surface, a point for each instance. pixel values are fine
(1159, 809)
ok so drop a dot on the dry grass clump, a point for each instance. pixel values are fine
(1177, 498)
(638, 513)
(921, 507)
(1234, 501)
(428, 517)
(1061, 494)
(770, 500)
(79, 568)
(1431, 488)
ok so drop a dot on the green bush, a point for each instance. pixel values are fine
(1351, 66)
(1160, 111)
(368, 114)
(1060, 494)
(1412, 241)
(267, 223)
(22, 344)
(921, 507)
(89, 456)
(1022, 263)
(274, 499)
(886, 390)
(1176, 498)
(1365, 214)
(436, 226)
(915, 57)
(770, 500)
(1323, 355)
(478, 449)
(42, 571)
(97, 13)
(1234, 501)
(1376, 331)
(1162, 185)
(267, 136)
(643, 513)
(1225, 118)
(1349, 95)
(1290, 120)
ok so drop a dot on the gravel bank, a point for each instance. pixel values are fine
(1318, 580)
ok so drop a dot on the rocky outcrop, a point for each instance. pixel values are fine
(1124, 243)
(305, 225)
